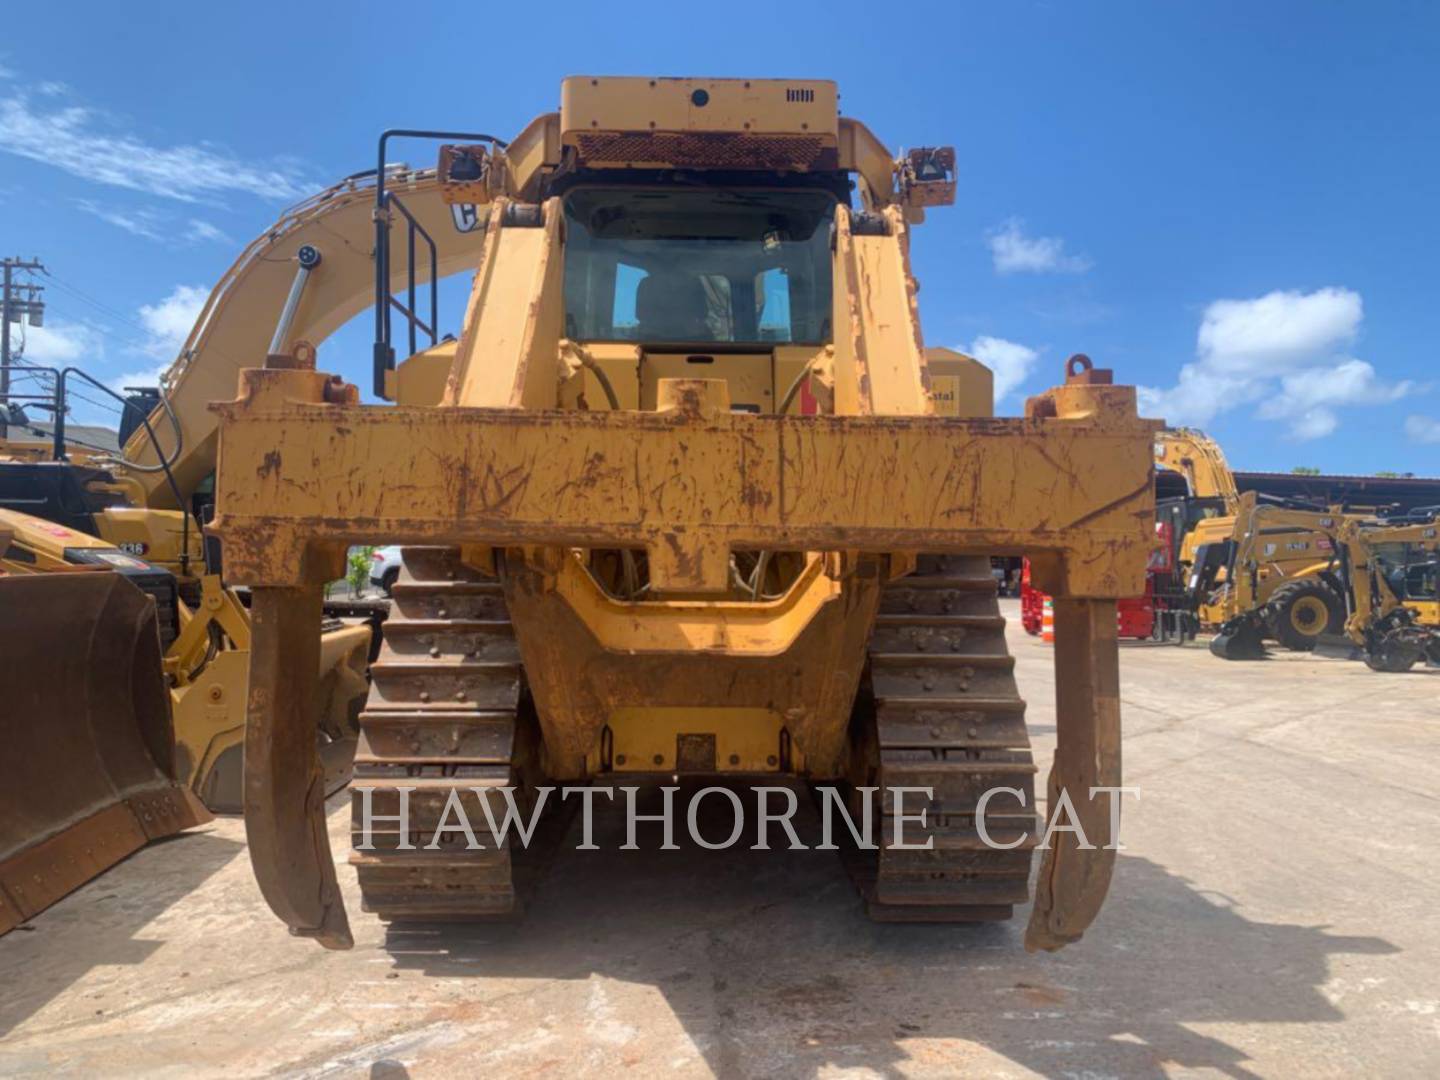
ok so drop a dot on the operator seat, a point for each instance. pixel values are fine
(672, 307)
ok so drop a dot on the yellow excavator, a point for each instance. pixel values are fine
(677, 501)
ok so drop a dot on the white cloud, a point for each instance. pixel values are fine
(170, 321)
(144, 223)
(78, 140)
(153, 225)
(1010, 361)
(1422, 429)
(60, 343)
(7, 72)
(1014, 253)
(1282, 350)
(1277, 331)
(203, 230)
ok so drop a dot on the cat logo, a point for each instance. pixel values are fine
(466, 216)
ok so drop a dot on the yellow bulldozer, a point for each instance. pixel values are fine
(88, 773)
(676, 502)
(86, 504)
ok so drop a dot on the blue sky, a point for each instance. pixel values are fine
(1232, 204)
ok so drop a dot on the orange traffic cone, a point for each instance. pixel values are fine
(1047, 622)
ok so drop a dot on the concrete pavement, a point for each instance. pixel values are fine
(1273, 915)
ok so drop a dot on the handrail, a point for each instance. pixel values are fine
(384, 354)
(59, 449)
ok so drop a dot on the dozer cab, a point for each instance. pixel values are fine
(678, 502)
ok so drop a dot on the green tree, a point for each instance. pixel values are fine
(357, 567)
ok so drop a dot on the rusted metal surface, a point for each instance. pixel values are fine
(87, 774)
(299, 478)
(284, 780)
(579, 679)
(1075, 874)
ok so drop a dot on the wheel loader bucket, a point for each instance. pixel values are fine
(87, 768)
(1239, 639)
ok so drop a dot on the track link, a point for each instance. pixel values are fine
(942, 711)
(447, 712)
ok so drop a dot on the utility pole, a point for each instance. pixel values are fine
(12, 309)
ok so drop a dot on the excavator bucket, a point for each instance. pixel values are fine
(1239, 639)
(87, 774)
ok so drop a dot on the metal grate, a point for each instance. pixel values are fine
(709, 150)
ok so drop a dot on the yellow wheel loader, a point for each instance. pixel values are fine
(676, 502)
(88, 772)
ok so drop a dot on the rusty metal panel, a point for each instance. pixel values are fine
(688, 487)
(87, 774)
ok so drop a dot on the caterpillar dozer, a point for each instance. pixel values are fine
(88, 774)
(678, 502)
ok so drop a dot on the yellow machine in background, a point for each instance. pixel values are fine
(87, 775)
(634, 550)
(1285, 590)
(203, 658)
(1392, 579)
(95, 509)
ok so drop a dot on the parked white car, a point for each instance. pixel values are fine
(385, 565)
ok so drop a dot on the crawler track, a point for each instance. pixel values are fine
(940, 710)
(448, 712)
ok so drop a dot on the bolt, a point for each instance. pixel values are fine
(929, 684)
(973, 732)
(919, 644)
(424, 695)
(442, 613)
(619, 759)
(435, 651)
(772, 761)
(659, 759)
(415, 745)
(216, 693)
(459, 695)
